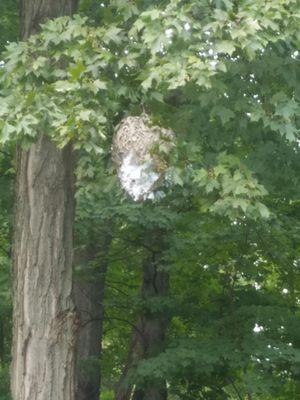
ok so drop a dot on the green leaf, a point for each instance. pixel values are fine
(7, 132)
(263, 210)
(113, 34)
(100, 85)
(65, 86)
(225, 46)
(85, 115)
(77, 70)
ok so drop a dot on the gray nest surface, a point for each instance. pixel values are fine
(137, 152)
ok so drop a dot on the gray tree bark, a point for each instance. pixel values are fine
(44, 317)
(148, 338)
(135, 353)
(89, 301)
(35, 12)
(87, 296)
(154, 325)
(43, 350)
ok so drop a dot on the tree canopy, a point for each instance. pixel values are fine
(224, 76)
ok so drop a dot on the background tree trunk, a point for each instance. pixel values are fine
(154, 325)
(89, 301)
(34, 12)
(148, 339)
(87, 298)
(135, 353)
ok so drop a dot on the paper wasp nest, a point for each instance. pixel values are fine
(137, 151)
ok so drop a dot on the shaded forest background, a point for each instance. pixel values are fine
(225, 276)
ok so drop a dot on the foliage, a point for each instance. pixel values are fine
(8, 33)
(6, 184)
(64, 63)
(4, 383)
(8, 22)
(224, 75)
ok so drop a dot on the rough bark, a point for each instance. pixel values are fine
(44, 317)
(155, 286)
(148, 338)
(89, 301)
(43, 350)
(89, 340)
(124, 387)
(35, 12)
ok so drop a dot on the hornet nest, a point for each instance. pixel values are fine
(138, 152)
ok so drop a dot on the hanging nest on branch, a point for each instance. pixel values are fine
(139, 152)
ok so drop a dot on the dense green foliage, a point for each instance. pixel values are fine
(5, 299)
(8, 32)
(224, 75)
(9, 22)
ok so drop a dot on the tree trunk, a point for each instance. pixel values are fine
(89, 301)
(135, 353)
(155, 287)
(148, 339)
(34, 12)
(87, 295)
(44, 320)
